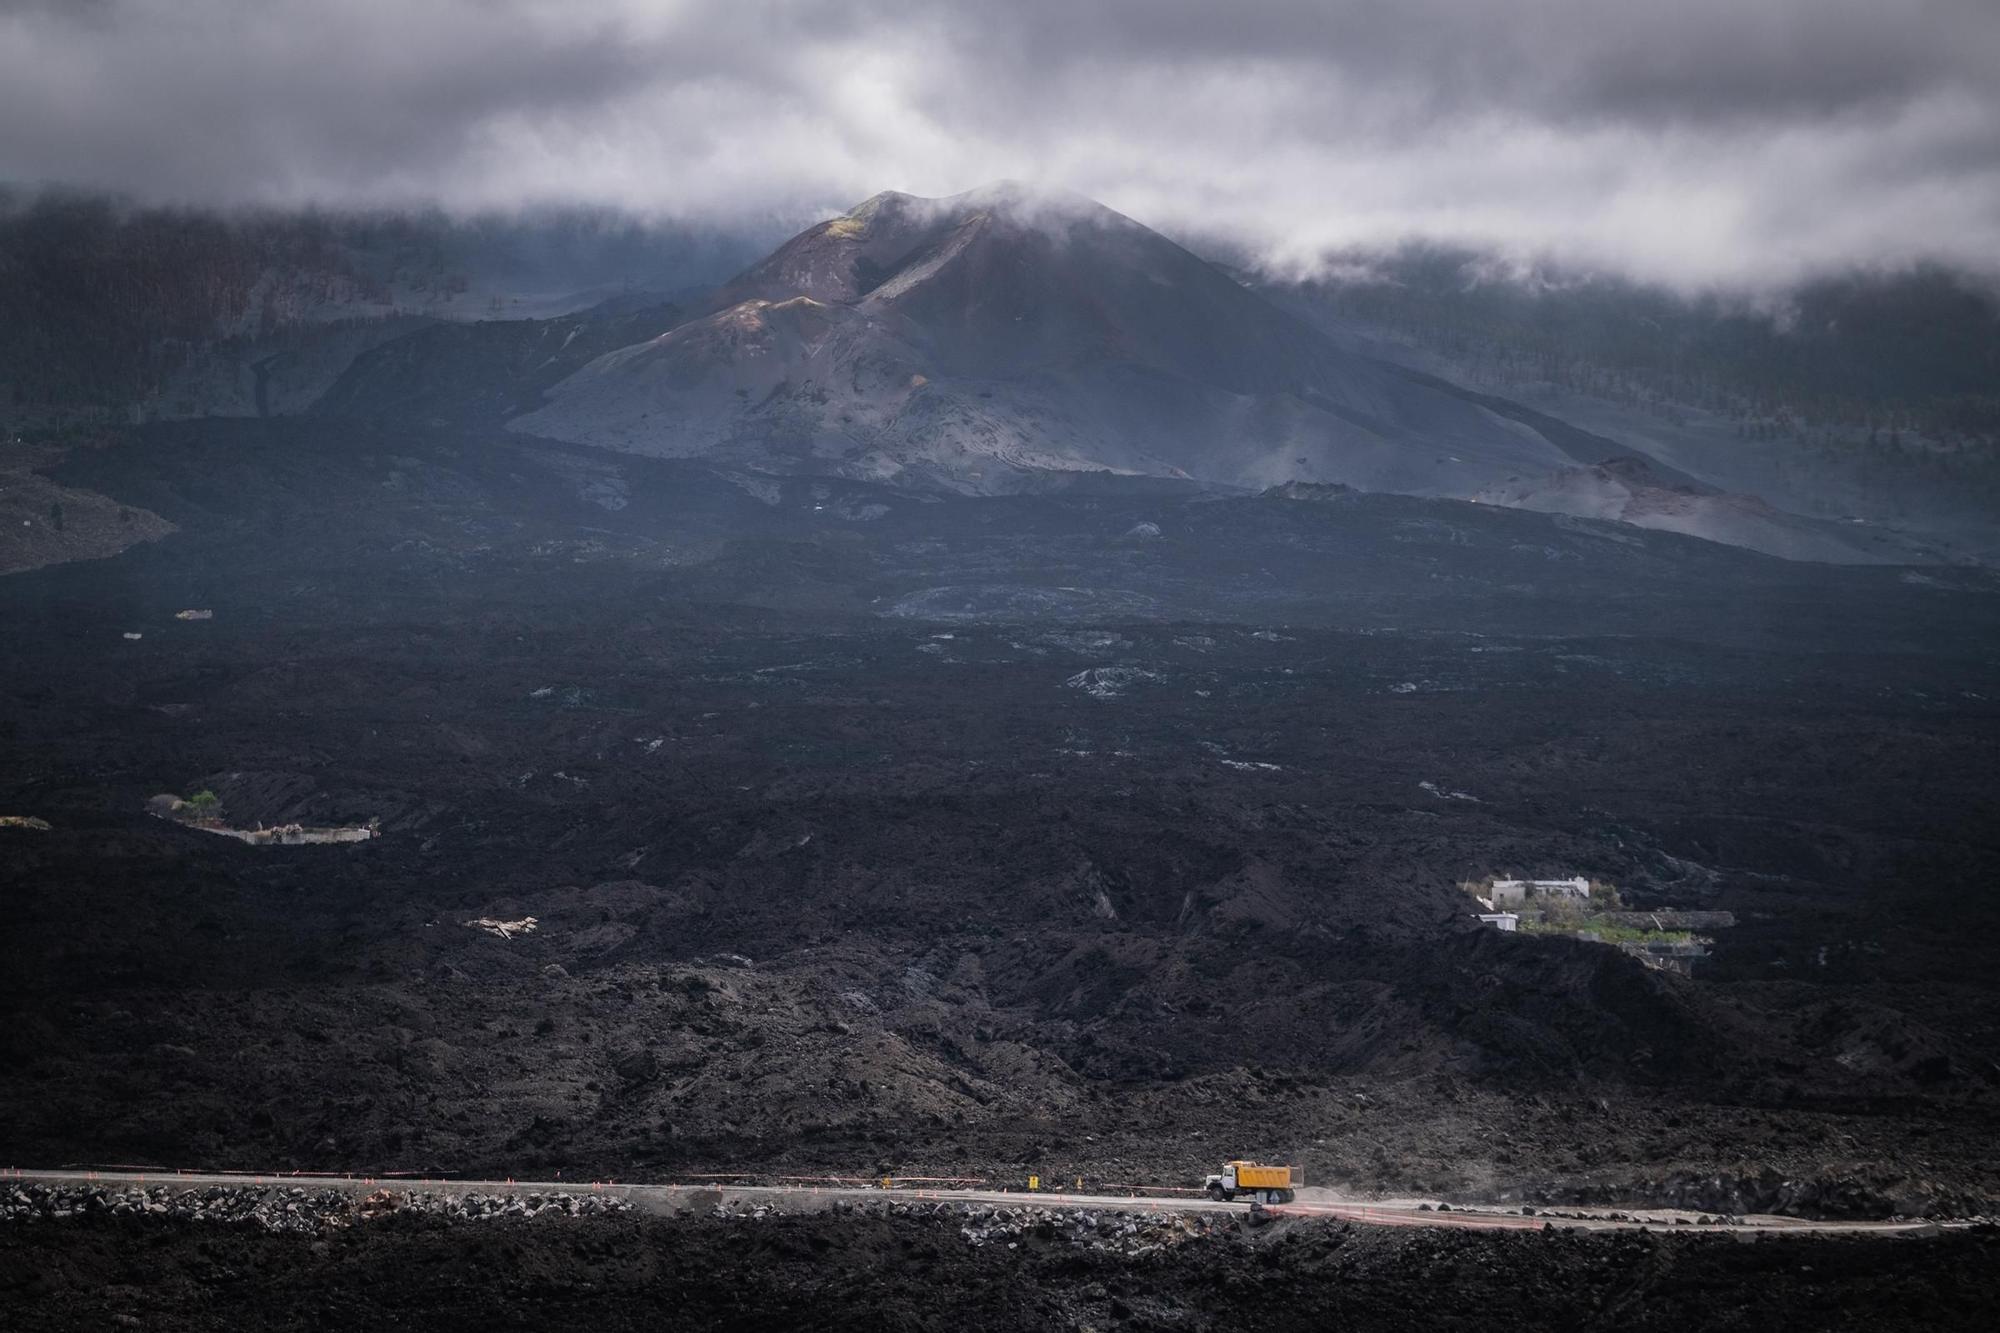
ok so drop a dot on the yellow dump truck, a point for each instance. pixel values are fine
(1259, 1184)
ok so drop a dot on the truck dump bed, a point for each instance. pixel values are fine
(1250, 1176)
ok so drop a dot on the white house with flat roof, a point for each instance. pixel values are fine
(1521, 890)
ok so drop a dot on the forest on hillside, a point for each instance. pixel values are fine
(1861, 357)
(102, 303)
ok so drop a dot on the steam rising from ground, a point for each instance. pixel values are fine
(1701, 141)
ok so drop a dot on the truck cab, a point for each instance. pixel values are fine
(1249, 1180)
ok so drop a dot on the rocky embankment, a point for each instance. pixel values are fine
(1834, 1196)
(875, 1264)
(306, 1210)
(297, 1208)
(1112, 1231)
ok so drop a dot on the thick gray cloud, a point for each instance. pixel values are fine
(1696, 140)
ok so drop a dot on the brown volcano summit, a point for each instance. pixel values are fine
(976, 339)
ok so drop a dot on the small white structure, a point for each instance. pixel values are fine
(1501, 920)
(1520, 890)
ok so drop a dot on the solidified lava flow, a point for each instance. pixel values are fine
(809, 828)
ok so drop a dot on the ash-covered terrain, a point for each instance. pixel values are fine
(1106, 833)
(983, 695)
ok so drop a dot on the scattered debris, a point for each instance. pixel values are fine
(506, 930)
(24, 822)
(194, 615)
(1108, 682)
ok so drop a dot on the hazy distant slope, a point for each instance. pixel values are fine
(1870, 397)
(1628, 491)
(109, 311)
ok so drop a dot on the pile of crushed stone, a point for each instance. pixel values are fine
(289, 1209)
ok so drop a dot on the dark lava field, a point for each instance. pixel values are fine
(1106, 832)
(902, 1267)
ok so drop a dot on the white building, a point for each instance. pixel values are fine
(1501, 920)
(1521, 890)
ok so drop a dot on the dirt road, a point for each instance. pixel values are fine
(668, 1198)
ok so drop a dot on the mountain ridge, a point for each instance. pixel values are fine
(987, 342)
(1005, 330)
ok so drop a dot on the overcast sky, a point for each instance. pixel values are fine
(1692, 140)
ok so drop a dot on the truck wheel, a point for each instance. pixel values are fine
(1217, 1193)
(1286, 1196)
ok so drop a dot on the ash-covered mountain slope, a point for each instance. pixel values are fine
(1007, 340)
(974, 340)
(1627, 490)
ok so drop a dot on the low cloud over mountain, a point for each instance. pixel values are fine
(1695, 142)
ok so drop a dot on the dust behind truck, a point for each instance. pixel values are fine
(1248, 1180)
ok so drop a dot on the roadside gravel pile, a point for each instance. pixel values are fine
(1831, 1194)
(476, 1207)
(1122, 1233)
(1115, 1232)
(295, 1209)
